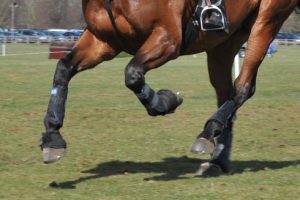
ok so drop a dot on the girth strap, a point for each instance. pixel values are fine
(192, 29)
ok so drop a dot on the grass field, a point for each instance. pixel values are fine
(117, 152)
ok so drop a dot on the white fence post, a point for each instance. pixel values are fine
(236, 66)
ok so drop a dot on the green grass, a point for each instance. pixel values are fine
(117, 152)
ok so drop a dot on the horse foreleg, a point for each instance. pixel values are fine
(87, 53)
(157, 50)
(52, 143)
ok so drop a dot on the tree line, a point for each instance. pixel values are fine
(67, 14)
(42, 14)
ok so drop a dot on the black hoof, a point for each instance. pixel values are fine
(53, 146)
(208, 169)
(203, 146)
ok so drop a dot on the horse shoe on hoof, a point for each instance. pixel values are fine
(203, 146)
(208, 169)
(51, 155)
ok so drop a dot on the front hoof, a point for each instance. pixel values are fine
(51, 155)
(53, 146)
(203, 146)
(208, 169)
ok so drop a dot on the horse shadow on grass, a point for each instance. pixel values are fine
(172, 168)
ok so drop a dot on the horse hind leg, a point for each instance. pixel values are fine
(87, 53)
(262, 33)
(220, 74)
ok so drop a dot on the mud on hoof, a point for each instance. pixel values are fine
(203, 146)
(208, 169)
(53, 147)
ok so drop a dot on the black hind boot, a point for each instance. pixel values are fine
(221, 156)
(220, 161)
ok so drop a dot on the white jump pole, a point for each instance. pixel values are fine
(3, 49)
(236, 66)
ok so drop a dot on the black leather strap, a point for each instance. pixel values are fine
(192, 29)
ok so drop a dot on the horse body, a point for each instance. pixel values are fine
(136, 20)
(153, 32)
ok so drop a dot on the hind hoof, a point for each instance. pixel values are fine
(51, 155)
(203, 146)
(208, 169)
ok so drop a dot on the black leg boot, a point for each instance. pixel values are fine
(220, 162)
(221, 156)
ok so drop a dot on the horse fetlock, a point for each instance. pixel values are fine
(52, 139)
(52, 121)
(205, 142)
(212, 129)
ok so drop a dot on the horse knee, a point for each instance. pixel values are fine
(134, 77)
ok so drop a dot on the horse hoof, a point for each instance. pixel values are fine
(51, 155)
(203, 146)
(208, 169)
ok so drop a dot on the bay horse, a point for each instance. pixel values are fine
(153, 31)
